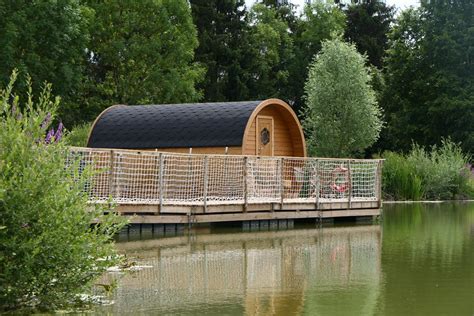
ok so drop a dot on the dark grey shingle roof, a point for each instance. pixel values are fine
(172, 125)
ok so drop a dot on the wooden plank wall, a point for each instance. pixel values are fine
(287, 140)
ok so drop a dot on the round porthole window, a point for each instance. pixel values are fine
(265, 136)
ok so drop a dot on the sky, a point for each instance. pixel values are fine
(401, 4)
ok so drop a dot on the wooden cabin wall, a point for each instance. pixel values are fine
(287, 139)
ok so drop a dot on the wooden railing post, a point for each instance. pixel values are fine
(206, 172)
(379, 183)
(161, 180)
(111, 175)
(349, 174)
(245, 183)
(282, 184)
(318, 182)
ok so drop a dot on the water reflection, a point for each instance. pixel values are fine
(258, 273)
(423, 265)
(428, 259)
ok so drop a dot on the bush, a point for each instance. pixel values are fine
(49, 252)
(439, 174)
(341, 117)
(79, 135)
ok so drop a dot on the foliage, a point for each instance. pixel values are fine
(99, 53)
(341, 116)
(319, 22)
(368, 24)
(47, 40)
(224, 50)
(285, 11)
(400, 181)
(141, 52)
(79, 135)
(272, 48)
(49, 253)
(430, 76)
(439, 174)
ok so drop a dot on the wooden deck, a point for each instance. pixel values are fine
(148, 214)
(162, 188)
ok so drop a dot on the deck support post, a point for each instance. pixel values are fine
(245, 183)
(161, 181)
(349, 175)
(206, 175)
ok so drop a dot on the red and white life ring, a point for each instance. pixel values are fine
(340, 179)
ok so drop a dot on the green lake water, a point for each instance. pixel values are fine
(418, 261)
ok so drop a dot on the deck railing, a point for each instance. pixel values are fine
(158, 178)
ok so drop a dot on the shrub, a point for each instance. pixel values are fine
(442, 173)
(78, 135)
(49, 252)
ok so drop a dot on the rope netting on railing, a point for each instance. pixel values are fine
(147, 177)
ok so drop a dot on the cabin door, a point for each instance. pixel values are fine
(264, 137)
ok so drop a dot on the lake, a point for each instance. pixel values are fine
(419, 260)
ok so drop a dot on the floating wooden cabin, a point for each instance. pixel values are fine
(248, 163)
(263, 128)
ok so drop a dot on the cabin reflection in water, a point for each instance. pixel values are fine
(258, 273)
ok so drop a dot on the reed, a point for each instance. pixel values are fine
(400, 181)
(440, 173)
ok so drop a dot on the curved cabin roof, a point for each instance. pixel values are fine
(177, 125)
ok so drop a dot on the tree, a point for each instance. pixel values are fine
(342, 117)
(404, 74)
(368, 24)
(223, 48)
(47, 40)
(49, 253)
(141, 52)
(430, 77)
(319, 22)
(272, 48)
(285, 11)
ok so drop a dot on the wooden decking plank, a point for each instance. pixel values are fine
(229, 217)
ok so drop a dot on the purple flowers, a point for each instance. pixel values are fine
(54, 136)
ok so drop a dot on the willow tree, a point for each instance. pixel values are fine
(342, 117)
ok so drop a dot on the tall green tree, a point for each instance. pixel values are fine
(223, 49)
(47, 40)
(272, 48)
(141, 52)
(430, 76)
(368, 24)
(342, 117)
(285, 10)
(319, 22)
